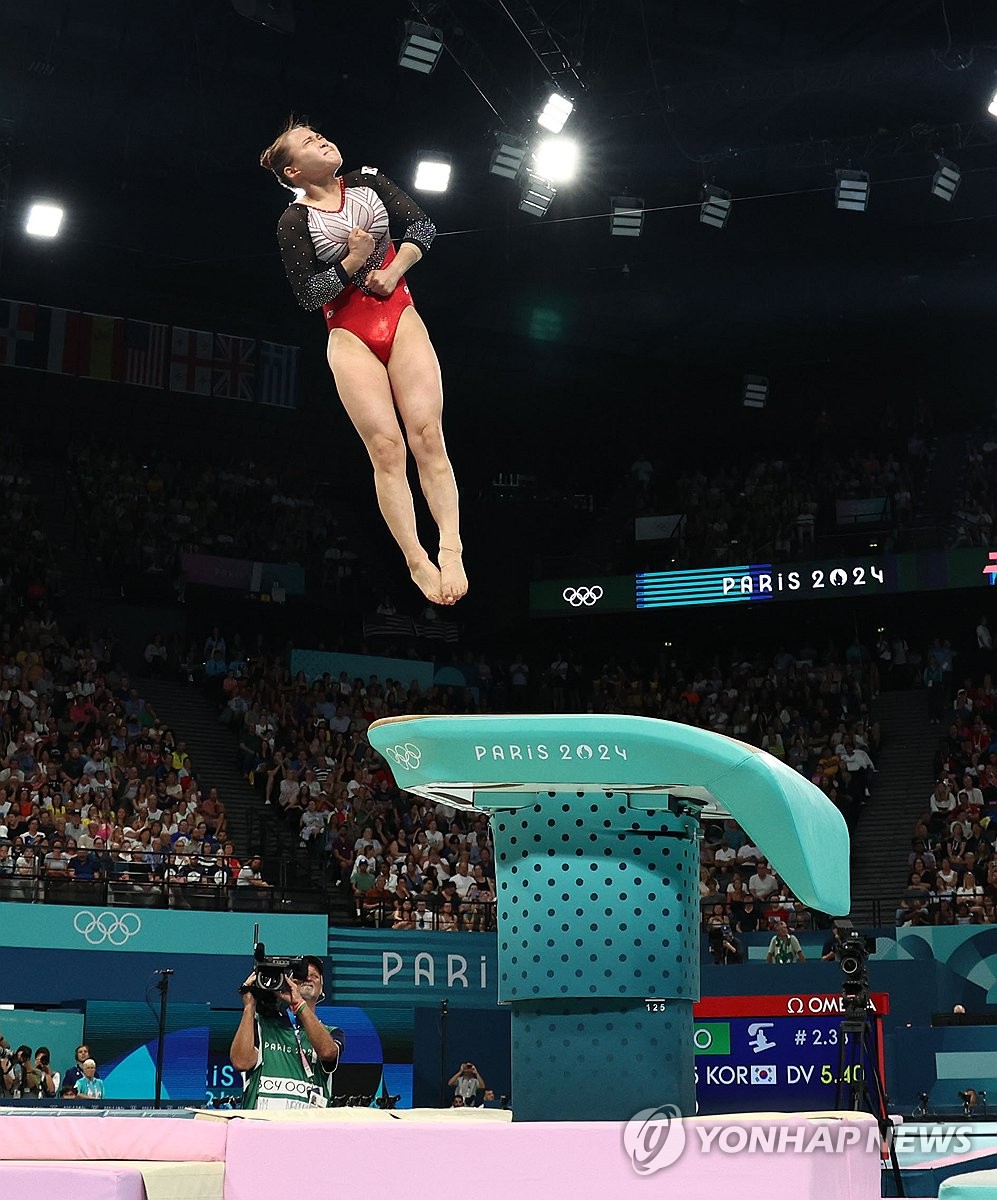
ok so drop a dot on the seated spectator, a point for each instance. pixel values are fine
(942, 804)
(708, 887)
(363, 877)
(717, 920)
(919, 849)
(723, 854)
(423, 916)
(763, 885)
(250, 875)
(374, 901)
(749, 918)
(968, 889)
(312, 824)
(90, 1085)
(955, 847)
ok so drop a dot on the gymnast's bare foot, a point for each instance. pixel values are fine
(426, 577)
(452, 573)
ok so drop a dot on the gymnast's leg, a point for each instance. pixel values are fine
(363, 386)
(414, 373)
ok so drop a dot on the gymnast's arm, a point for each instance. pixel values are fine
(313, 284)
(407, 223)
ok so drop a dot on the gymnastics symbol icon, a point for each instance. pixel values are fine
(578, 596)
(407, 756)
(112, 927)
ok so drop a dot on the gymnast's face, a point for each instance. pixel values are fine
(314, 159)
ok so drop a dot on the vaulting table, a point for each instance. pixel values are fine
(597, 822)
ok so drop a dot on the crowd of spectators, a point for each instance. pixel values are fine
(95, 792)
(406, 863)
(952, 868)
(976, 499)
(143, 512)
(28, 572)
(777, 507)
(412, 864)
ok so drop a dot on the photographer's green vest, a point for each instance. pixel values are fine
(290, 1074)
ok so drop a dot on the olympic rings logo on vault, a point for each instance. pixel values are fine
(577, 596)
(407, 756)
(107, 926)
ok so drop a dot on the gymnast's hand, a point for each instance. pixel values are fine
(360, 244)
(381, 283)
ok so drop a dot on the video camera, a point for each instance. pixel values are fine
(271, 971)
(853, 950)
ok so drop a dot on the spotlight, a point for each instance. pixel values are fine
(626, 216)
(508, 156)
(715, 208)
(537, 194)
(947, 178)
(43, 220)
(852, 191)
(555, 112)
(756, 391)
(432, 173)
(992, 106)
(556, 159)
(421, 48)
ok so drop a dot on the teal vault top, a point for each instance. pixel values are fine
(470, 761)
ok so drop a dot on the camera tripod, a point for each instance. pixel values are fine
(857, 1065)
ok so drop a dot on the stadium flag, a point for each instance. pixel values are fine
(234, 368)
(102, 347)
(190, 361)
(145, 353)
(56, 344)
(17, 332)
(388, 625)
(278, 375)
(437, 630)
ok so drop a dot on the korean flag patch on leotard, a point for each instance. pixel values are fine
(368, 170)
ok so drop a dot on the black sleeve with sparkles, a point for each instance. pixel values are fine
(312, 283)
(406, 220)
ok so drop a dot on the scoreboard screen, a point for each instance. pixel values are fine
(765, 1053)
(782, 1063)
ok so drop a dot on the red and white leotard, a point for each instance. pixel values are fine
(310, 237)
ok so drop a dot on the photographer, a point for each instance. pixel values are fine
(724, 946)
(48, 1082)
(6, 1068)
(467, 1084)
(286, 1054)
(27, 1079)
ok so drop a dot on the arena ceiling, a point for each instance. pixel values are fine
(146, 120)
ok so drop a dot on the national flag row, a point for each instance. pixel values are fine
(195, 361)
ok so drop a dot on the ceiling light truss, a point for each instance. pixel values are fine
(476, 67)
(547, 50)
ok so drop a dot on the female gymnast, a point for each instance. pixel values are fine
(335, 240)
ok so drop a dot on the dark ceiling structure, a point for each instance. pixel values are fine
(146, 120)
